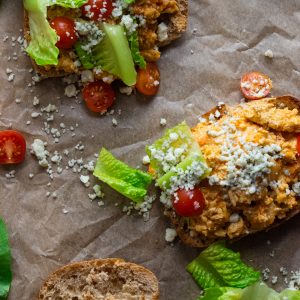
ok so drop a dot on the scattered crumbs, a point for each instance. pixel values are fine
(92, 196)
(272, 253)
(269, 53)
(294, 280)
(11, 77)
(35, 115)
(114, 122)
(10, 174)
(18, 101)
(163, 122)
(35, 101)
(100, 203)
(192, 52)
(274, 279)
(283, 271)
(143, 208)
(48, 194)
(71, 90)
(194, 30)
(30, 175)
(54, 195)
(85, 179)
(65, 211)
(266, 274)
(170, 235)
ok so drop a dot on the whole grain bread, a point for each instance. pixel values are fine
(201, 241)
(177, 25)
(107, 279)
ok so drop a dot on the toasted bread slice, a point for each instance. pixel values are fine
(107, 279)
(287, 105)
(177, 25)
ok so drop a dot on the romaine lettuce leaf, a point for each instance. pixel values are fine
(222, 293)
(5, 262)
(68, 3)
(257, 291)
(175, 152)
(289, 294)
(135, 50)
(218, 266)
(131, 183)
(42, 47)
(113, 54)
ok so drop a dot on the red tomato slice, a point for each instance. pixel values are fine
(65, 29)
(97, 9)
(12, 147)
(255, 85)
(148, 80)
(298, 144)
(189, 203)
(98, 96)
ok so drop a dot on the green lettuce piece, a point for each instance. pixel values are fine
(69, 3)
(164, 160)
(113, 54)
(257, 291)
(129, 1)
(85, 58)
(135, 50)
(42, 47)
(5, 262)
(218, 266)
(222, 293)
(289, 294)
(129, 182)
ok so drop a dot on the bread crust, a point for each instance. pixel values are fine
(176, 26)
(108, 262)
(287, 101)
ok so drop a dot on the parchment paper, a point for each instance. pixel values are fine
(230, 38)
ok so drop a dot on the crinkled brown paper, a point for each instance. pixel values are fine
(230, 38)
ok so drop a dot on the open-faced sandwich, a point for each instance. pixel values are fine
(235, 173)
(103, 40)
(110, 279)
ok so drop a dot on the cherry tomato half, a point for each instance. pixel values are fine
(12, 147)
(255, 85)
(148, 80)
(298, 144)
(189, 203)
(65, 29)
(97, 9)
(98, 96)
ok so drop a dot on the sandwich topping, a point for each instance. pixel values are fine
(248, 173)
(110, 38)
